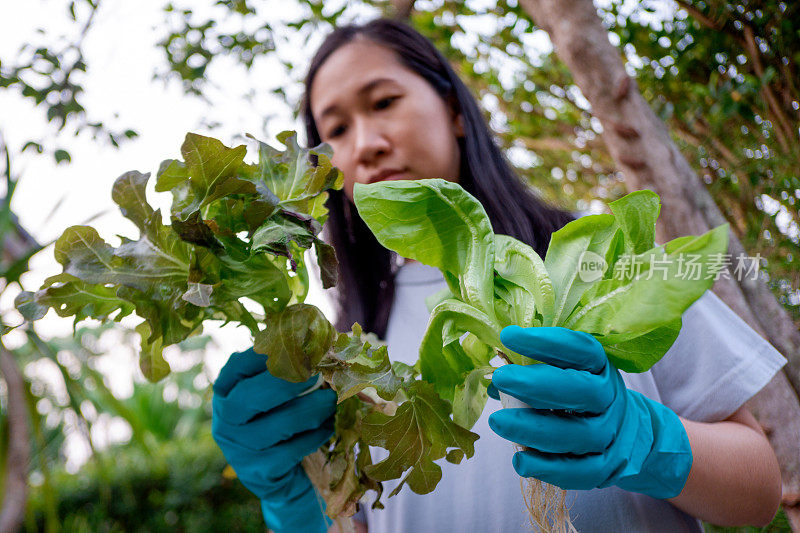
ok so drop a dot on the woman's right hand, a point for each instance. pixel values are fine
(265, 426)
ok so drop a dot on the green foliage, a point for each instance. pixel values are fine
(723, 76)
(297, 339)
(779, 524)
(125, 490)
(175, 277)
(238, 231)
(496, 281)
(78, 401)
(419, 433)
(192, 45)
(18, 245)
(355, 364)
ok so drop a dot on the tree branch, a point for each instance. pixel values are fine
(782, 128)
(700, 16)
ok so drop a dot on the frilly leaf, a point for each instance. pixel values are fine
(295, 341)
(419, 433)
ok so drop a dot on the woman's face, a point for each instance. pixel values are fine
(382, 120)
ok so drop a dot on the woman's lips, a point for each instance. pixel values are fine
(395, 176)
(388, 174)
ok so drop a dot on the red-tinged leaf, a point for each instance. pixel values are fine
(419, 433)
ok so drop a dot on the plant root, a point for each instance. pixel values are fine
(546, 504)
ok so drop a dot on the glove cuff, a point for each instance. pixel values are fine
(665, 469)
(303, 512)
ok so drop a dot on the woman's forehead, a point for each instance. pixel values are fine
(352, 71)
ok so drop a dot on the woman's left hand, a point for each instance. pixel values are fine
(585, 428)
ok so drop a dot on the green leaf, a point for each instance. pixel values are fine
(636, 214)
(62, 156)
(128, 193)
(640, 353)
(257, 278)
(470, 397)
(294, 179)
(592, 234)
(168, 315)
(621, 308)
(455, 456)
(343, 462)
(295, 341)
(210, 172)
(151, 360)
(519, 264)
(28, 307)
(198, 294)
(437, 223)
(403, 371)
(277, 233)
(437, 297)
(513, 304)
(443, 361)
(354, 364)
(419, 433)
(144, 264)
(33, 145)
(480, 352)
(194, 230)
(70, 297)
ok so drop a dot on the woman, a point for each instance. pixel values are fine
(655, 450)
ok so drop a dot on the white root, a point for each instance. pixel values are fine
(546, 504)
(547, 508)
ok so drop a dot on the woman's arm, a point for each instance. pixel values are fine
(360, 527)
(735, 478)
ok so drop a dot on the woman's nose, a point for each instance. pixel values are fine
(370, 141)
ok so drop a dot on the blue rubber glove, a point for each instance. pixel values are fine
(265, 428)
(585, 428)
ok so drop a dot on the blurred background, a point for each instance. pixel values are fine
(90, 89)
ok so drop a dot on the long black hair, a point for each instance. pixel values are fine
(366, 269)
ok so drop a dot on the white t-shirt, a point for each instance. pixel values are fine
(716, 364)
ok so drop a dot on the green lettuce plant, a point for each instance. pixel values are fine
(234, 251)
(495, 280)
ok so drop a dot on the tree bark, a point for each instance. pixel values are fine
(641, 147)
(402, 9)
(16, 483)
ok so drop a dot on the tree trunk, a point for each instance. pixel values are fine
(402, 9)
(16, 483)
(641, 147)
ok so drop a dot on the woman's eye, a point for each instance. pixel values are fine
(336, 132)
(383, 103)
